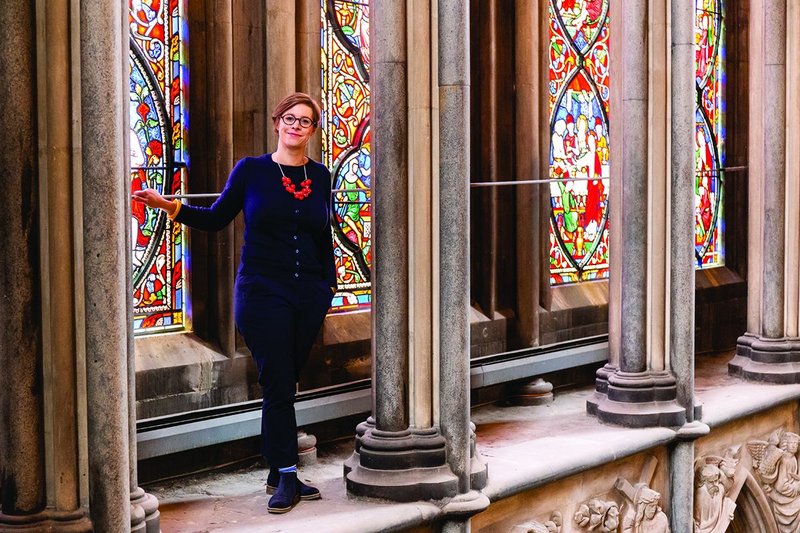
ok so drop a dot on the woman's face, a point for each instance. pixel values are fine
(296, 136)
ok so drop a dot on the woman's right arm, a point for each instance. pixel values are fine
(213, 218)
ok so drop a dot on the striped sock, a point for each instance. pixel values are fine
(288, 469)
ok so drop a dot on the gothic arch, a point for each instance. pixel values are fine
(753, 513)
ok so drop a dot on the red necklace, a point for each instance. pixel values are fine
(303, 193)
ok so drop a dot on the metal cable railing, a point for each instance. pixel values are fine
(472, 185)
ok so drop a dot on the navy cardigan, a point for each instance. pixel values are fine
(284, 238)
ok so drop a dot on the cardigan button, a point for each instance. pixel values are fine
(297, 274)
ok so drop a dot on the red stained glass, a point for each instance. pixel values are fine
(579, 147)
(346, 149)
(158, 160)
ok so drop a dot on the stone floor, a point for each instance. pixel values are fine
(518, 443)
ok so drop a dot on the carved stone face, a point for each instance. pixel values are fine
(650, 511)
(710, 478)
(791, 446)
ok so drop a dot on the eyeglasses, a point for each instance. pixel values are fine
(305, 122)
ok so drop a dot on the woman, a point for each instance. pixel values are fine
(286, 278)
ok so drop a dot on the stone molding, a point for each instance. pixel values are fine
(62, 521)
(766, 359)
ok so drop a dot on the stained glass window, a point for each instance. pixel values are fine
(579, 148)
(346, 145)
(709, 134)
(158, 159)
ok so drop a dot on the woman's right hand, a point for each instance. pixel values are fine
(151, 198)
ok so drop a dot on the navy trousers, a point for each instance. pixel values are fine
(279, 322)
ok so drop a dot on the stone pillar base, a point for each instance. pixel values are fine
(600, 388)
(401, 466)
(765, 359)
(643, 399)
(479, 471)
(534, 392)
(306, 449)
(66, 522)
(145, 516)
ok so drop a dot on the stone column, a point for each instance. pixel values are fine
(219, 162)
(390, 269)
(454, 257)
(682, 199)
(145, 517)
(393, 459)
(307, 48)
(21, 417)
(531, 112)
(616, 130)
(681, 260)
(792, 173)
(454, 260)
(42, 429)
(281, 46)
(641, 392)
(421, 229)
(105, 232)
(770, 350)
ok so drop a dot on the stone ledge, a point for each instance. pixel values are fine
(524, 446)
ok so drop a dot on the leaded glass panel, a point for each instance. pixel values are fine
(346, 150)
(579, 147)
(709, 134)
(158, 160)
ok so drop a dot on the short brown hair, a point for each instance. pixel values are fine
(292, 100)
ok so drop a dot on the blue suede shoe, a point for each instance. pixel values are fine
(286, 495)
(307, 492)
